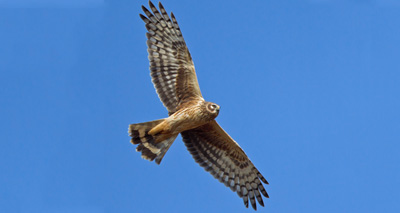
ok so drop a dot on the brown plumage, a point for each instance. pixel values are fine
(174, 77)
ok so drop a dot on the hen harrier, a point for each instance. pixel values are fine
(175, 80)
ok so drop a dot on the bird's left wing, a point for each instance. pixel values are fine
(219, 154)
(171, 66)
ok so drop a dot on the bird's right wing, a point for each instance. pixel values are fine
(171, 65)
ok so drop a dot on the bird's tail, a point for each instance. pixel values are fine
(152, 146)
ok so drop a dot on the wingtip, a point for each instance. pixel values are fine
(160, 5)
(151, 4)
(246, 201)
(261, 201)
(253, 203)
(262, 178)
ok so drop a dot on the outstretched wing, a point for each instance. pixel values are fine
(171, 66)
(220, 155)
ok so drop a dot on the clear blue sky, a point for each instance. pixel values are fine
(309, 89)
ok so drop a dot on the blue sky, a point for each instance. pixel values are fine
(309, 89)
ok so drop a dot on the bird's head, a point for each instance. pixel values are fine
(213, 108)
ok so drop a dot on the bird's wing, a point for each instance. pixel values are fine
(219, 154)
(171, 66)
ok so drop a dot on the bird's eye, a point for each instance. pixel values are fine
(213, 107)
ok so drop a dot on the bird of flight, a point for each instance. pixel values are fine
(174, 77)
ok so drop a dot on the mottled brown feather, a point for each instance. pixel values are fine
(219, 154)
(171, 65)
(152, 147)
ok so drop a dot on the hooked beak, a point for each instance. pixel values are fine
(218, 108)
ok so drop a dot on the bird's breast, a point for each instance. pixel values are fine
(188, 118)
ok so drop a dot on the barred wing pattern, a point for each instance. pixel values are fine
(171, 66)
(219, 154)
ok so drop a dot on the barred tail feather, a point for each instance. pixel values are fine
(147, 143)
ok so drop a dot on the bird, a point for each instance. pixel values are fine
(173, 75)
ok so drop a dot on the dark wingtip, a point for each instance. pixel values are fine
(246, 202)
(265, 180)
(151, 4)
(261, 202)
(254, 205)
(262, 178)
(160, 5)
